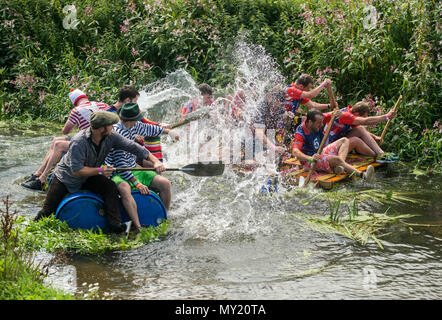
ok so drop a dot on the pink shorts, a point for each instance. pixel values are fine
(323, 163)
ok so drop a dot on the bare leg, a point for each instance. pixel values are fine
(343, 146)
(129, 203)
(362, 133)
(59, 148)
(335, 161)
(361, 147)
(163, 185)
(48, 155)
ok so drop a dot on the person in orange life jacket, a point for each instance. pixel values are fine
(351, 125)
(207, 99)
(306, 143)
(152, 144)
(79, 116)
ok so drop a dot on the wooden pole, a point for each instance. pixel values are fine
(389, 120)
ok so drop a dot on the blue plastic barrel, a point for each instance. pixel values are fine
(84, 210)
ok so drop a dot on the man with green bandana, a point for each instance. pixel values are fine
(127, 181)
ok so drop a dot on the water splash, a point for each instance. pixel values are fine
(227, 207)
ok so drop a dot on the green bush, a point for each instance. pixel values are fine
(118, 42)
(20, 277)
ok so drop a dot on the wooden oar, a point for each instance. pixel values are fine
(198, 169)
(198, 114)
(331, 95)
(389, 120)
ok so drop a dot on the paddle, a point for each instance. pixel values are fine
(198, 169)
(389, 120)
(198, 114)
(324, 139)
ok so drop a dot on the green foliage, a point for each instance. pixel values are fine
(52, 235)
(20, 278)
(135, 42)
(359, 226)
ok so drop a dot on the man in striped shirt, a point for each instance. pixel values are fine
(78, 117)
(152, 144)
(127, 181)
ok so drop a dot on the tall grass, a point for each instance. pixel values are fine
(20, 277)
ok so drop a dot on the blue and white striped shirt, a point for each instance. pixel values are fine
(122, 159)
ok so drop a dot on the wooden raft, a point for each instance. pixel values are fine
(292, 170)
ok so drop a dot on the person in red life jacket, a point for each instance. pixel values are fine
(351, 125)
(205, 100)
(78, 117)
(235, 104)
(300, 92)
(306, 142)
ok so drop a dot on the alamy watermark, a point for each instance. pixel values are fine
(233, 146)
(369, 278)
(370, 19)
(70, 20)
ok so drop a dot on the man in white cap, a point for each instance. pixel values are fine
(80, 117)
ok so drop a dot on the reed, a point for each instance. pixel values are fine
(359, 226)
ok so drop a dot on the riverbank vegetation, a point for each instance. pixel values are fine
(20, 277)
(346, 219)
(20, 239)
(373, 50)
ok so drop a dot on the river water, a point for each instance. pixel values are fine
(227, 241)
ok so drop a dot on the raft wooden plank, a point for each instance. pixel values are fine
(357, 156)
(292, 161)
(330, 182)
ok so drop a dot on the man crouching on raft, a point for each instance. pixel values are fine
(81, 168)
(306, 143)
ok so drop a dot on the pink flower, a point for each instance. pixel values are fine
(123, 29)
(131, 6)
(135, 52)
(392, 68)
(436, 124)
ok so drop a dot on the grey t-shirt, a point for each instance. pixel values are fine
(82, 153)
